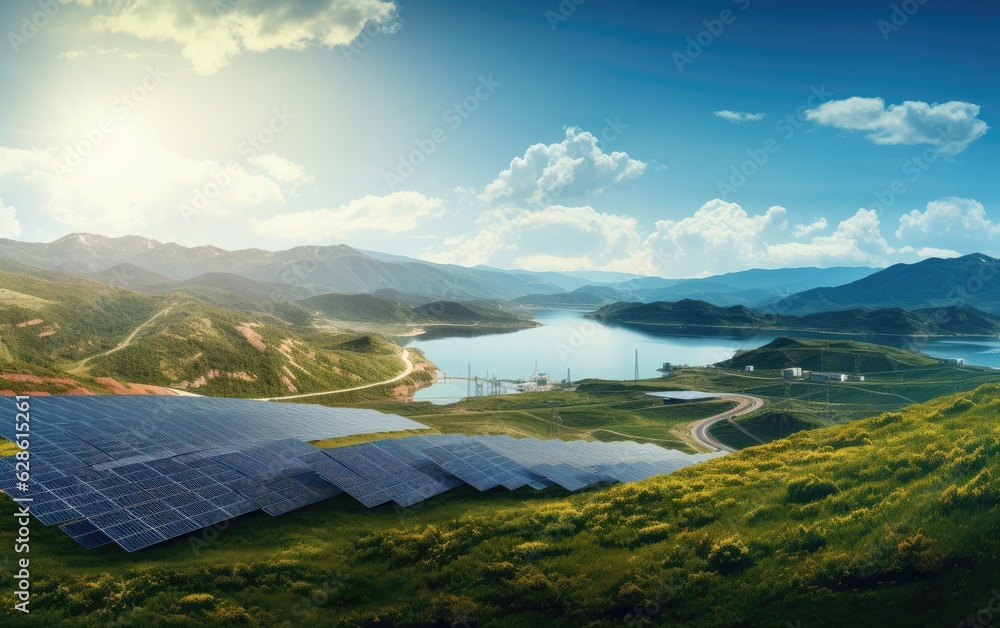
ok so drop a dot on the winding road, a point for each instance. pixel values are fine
(82, 364)
(745, 405)
(409, 369)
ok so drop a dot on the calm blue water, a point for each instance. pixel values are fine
(591, 349)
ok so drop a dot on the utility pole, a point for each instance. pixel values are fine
(569, 380)
(636, 365)
(468, 381)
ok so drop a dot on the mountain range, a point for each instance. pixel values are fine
(146, 265)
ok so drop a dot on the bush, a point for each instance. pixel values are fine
(729, 555)
(809, 489)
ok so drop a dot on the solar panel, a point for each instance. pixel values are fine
(139, 470)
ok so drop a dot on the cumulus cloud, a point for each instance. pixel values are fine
(212, 33)
(856, 240)
(9, 226)
(574, 168)
(737, 117)
(802, 231)
(722, 237)
(395, 213)
(559, 237)
(952, 220)
(715, 238)
(284, 171)
(949, 126)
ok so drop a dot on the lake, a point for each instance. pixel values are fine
(588, 349)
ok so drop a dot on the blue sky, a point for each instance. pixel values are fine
(544, 135)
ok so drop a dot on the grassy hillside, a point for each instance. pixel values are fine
(220, 352)
(46, 321)
(890, 520)
(842, 356)
(596, 410)
(204, 339)
(367, 308)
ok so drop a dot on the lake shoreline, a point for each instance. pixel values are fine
(790, 330)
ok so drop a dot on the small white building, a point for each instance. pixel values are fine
(792, 373)
(749, 369)
(828, 377)
(955, 361)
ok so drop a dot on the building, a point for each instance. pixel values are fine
(828, 377)
(955, 361)
(792, 373)
(859, 378)
(749, 369)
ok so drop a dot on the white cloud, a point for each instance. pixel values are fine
(284, 171)
(856, 240)
(722, 237)
(574, 168)
(929, 251)
(949, 126)
(715, 238)
(124, 187)
(557, 238)
(802, 231)
(737, 117)
(212, 33)
(953, 221)
(395, 213)
(131, 55)
(9, 226)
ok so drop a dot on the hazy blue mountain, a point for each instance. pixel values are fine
(314, 269)
(970, 281)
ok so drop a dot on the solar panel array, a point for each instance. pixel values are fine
(136, 471)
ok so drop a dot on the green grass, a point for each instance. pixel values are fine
(195, 344)
(820, 403)
(891, 520)
(595, 411)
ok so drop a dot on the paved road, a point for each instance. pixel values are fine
(700, 429)
(124, 343)
(409, 369)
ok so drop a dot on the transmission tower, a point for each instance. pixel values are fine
(556, 423)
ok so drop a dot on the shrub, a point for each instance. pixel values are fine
(809, 489)
(729, 555)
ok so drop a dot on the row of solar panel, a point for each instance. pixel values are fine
(164, 492)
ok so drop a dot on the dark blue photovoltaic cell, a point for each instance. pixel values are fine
(139, 470)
